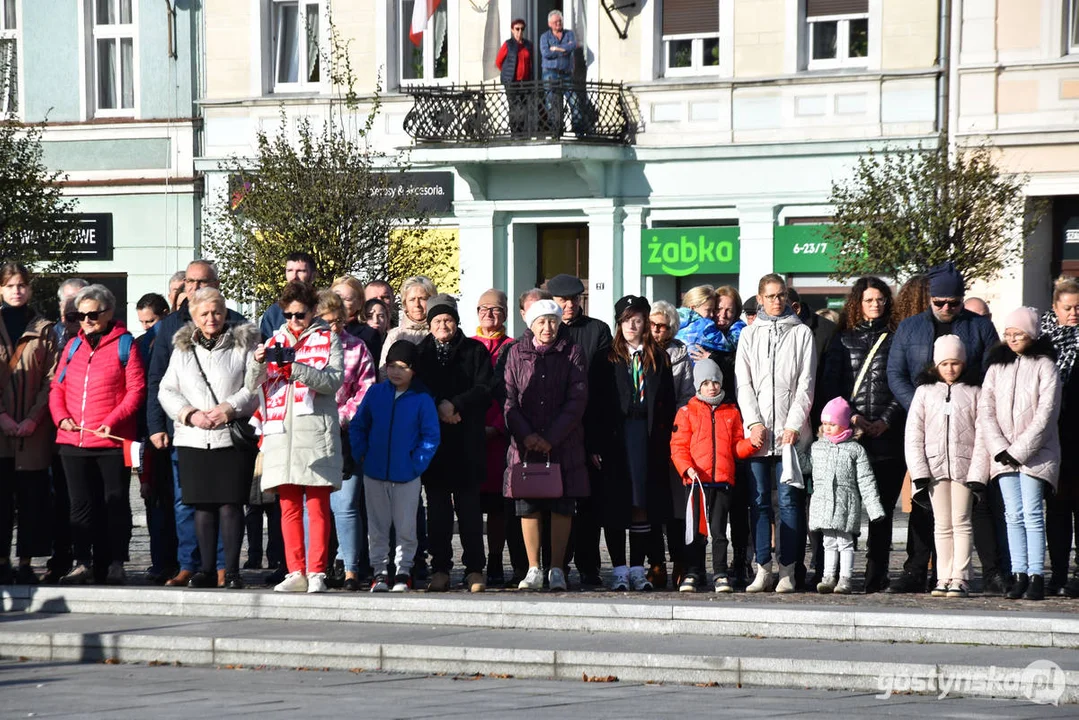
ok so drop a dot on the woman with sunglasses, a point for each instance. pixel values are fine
(298, 372)
(27, 358)
(95, 396)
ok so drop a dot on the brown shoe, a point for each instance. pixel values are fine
(475, 582)
(440, 582)
(657, 575)
(679, 574)
(221, 578)
(180, 579)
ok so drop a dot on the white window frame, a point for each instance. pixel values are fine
(842, 58)
(403, 22)
(115, 32)
(302, 84)
(11, 34)
(1071, 41)
(697, 66)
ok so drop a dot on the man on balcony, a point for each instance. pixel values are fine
(557, 48)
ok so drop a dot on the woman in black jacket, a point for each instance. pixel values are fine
(856, 368)
(457, 371)
(635, 395)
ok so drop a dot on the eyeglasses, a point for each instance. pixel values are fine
(490, 310)
(518, 27)
(80, 316)
(660, 326)
(952, 303)
(1015, 336)
(295, 315)
(197, 282)
(874, 301)
(776, 296)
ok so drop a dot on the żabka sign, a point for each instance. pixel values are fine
(689, 251)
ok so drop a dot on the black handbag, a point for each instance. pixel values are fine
(242, 432)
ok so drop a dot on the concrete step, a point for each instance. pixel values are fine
(658, 614)
(1043, 675)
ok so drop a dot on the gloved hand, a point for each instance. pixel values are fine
(978, 491)
(922, 483)
(1005, 459)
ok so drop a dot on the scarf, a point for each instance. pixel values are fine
(207, 343)
(497, 335)
(636, 370)
(713, 401)
(1065, 339)
(443, 351)
(841, 437)
(313, 350)
(762, 315)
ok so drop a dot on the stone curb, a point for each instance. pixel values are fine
(656, 618)
(852, 676)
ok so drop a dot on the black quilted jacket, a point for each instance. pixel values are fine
(843, 362)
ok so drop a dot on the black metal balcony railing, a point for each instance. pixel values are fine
(537, 109)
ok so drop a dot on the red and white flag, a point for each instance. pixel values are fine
(696, 513)
(133, 454)
(421, 14)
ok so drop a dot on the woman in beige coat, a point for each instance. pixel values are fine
(415, 292)
(298, 372)
(1017, 415)
(27, 359)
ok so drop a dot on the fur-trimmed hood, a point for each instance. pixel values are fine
(1003, 355)
(244, 336)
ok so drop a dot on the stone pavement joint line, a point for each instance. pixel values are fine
(508, 611)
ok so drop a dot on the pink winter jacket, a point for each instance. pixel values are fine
(1019, 409)
(359, 377)
(97, 390)
(943, 445)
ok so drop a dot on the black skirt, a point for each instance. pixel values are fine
(215, 476)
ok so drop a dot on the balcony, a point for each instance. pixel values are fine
(554, 110)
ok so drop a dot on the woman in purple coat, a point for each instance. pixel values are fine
(546, 395)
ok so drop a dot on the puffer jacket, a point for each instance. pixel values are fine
(776, 368)
(24, 393)
(309, 451)
(682, 369)
(98, 390)
(708, 439)
(359, 376)
(842, 483)
(874, 400)
(182, 388)
(942, 444)
(1019, 411)
(409, 330)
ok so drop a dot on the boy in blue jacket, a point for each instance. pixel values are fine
(394, 436)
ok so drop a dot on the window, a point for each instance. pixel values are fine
(838, 33)
(113, 54)
(296, 57)
(426, 56)
(9, 66)
(1073, 27)
(690, 37)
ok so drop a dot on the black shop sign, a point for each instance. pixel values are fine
(433, 190)
(93, 236)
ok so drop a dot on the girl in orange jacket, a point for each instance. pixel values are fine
(707, 440)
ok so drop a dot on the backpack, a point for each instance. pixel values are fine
(126, 340)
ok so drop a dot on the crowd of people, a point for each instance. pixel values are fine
(761, 429)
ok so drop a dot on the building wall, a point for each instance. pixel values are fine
(759, 37)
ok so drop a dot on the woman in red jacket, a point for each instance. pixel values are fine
(707, 439)
(95, 395)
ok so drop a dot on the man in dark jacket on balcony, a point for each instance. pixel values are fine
(514, 62)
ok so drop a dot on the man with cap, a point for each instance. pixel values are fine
(594, 338)
(458, 373)
(910, 354)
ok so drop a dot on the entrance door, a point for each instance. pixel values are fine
(538, 25)
(563, 249)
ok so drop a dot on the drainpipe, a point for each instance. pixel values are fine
(944, 80)
(955, 48)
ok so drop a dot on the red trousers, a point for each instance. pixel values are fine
(315, 559)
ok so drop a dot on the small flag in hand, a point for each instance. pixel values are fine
(696, 508)
(133, 454)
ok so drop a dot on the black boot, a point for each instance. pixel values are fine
(1019, 586)
(1072, 588)
(906, 583)
(1036, 591)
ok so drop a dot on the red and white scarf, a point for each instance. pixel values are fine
(313, 350)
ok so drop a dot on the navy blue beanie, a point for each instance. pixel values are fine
(946, 282)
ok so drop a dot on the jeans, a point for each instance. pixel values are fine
(187, 545)
(1025, 515)
(160, 512)
(792, 521)
(559, 86)
(348, 512)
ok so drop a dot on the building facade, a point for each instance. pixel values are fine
(115, 82)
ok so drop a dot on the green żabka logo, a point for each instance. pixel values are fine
(685, 251)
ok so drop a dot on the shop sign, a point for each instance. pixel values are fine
(803, 249)
(433, 190)
(690, 251)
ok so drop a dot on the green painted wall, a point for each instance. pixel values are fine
(135, 154)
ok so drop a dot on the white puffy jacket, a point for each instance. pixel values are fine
(225, 366)
(942, 438)
(776, 367)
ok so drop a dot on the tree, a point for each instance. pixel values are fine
(323, 190)
(903, 211)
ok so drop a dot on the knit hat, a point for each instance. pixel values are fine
(540, 308)
(1026, 320)
(632, 302)
(837, 412)
(706, 370)
(442, 304)
(949, 347)
(946, 282)
(749, 307)
(402, 351)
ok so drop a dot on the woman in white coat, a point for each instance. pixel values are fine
(202, 390)
(775, 367)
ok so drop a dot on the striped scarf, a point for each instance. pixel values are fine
(1065, 339)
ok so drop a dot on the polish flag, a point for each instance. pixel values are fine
(696, 513)
(133, 454)
(421, 13)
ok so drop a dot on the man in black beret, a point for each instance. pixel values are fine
(594, 338)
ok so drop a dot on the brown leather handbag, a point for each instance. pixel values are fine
(534, 480)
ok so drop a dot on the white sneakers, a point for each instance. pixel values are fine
(620, 579)
(293, 582)
(533, 580)
(556, 579)
(763, 581)
(316, 583)
(786, 579)
(638, 579)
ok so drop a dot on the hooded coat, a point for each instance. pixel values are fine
(24, 391)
